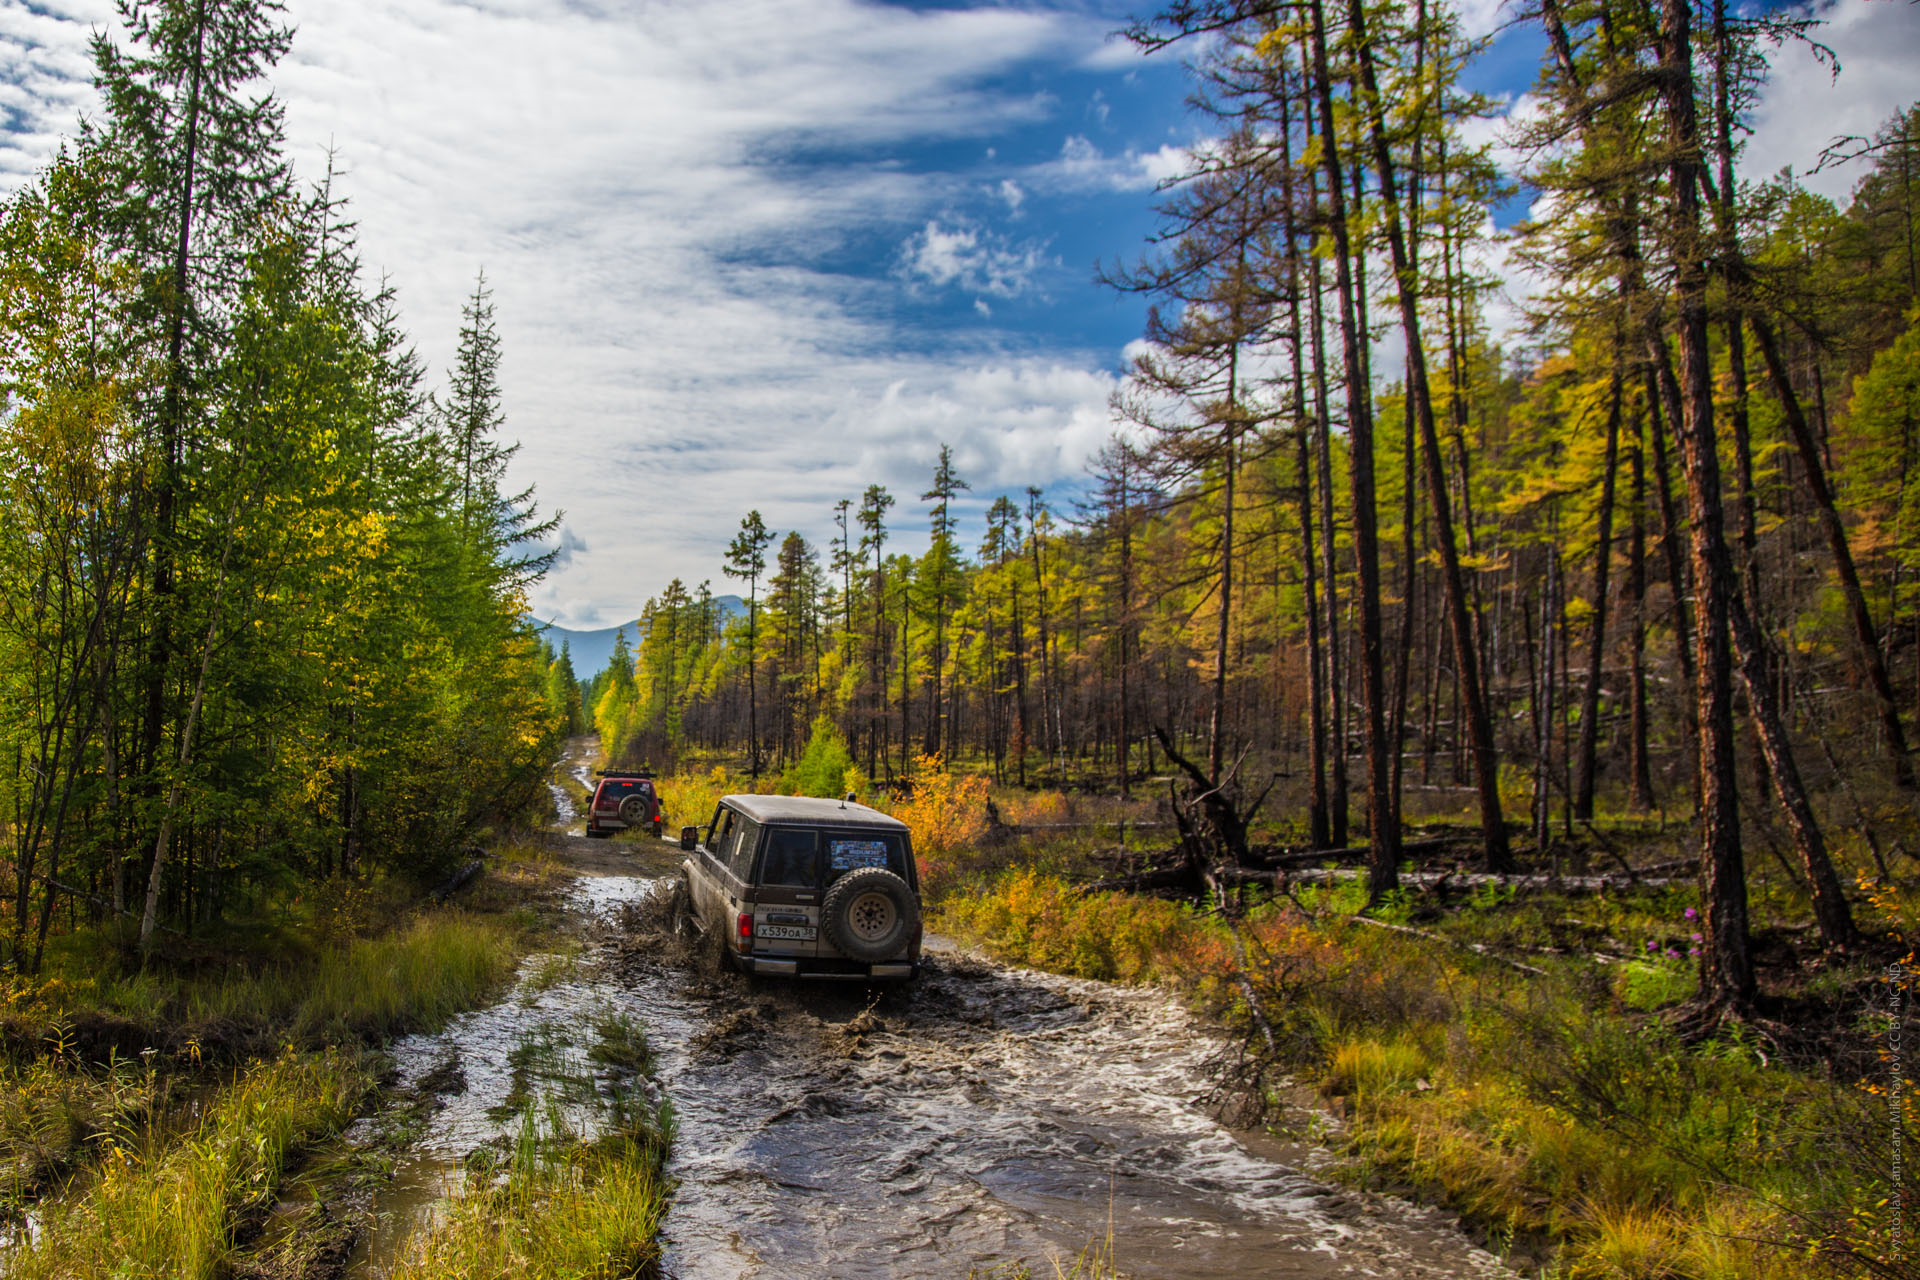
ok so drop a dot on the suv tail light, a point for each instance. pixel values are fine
(743, 938)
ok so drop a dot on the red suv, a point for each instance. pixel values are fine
(623, 800)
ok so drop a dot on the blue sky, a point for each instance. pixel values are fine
(767, 252)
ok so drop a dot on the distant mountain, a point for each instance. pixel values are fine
(591, 650)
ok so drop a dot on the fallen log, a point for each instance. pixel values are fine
(457, 881)
(1186, 877)
(1356, 853)
(1439, 880)
(1478, 948)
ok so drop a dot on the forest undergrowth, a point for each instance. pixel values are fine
(1511, 1055)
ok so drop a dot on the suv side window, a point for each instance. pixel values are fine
(740, 857)
(720, 831)
(790, 859)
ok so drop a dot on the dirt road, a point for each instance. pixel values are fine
(981, 1116)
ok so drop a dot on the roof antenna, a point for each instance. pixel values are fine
(849, 796)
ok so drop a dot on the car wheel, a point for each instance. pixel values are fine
(657, 827)
(869, 914)
(633, 810)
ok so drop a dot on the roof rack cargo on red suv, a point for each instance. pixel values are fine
(624, 798)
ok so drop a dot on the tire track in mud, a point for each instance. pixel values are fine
(982, 1115)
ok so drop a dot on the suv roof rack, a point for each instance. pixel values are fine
(624, 773)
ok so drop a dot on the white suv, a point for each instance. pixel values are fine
(804, 888)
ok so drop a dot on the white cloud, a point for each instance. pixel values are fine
(569, 544)
(978, 261)
(1082, 166)
(1803, 107)
(642, 181)
(1483, 17)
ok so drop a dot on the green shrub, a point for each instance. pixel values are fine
(822, 768)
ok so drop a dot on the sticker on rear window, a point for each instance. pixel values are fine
(850, 855)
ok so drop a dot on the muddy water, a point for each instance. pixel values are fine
(979, 1116)
(578, 764)
(984, 1115)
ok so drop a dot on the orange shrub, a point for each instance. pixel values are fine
(946, 811)
(1038, 808)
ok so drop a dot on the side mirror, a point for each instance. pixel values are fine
(689, 838)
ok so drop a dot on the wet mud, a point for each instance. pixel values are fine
(979, 1116)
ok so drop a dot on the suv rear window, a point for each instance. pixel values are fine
(739, 858)
(809, 859)
(614, 790)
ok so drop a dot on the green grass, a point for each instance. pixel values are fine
(558, 1203)
(558, 1209)
(87, 1116)
(168, 1205)
(429, 967)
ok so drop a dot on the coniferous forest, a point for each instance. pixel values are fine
(264, 587)
(1490, 739)
(1654, 554)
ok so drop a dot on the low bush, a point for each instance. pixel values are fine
(1038, 920)
(947, 812)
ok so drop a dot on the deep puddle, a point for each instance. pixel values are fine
(981, 1116)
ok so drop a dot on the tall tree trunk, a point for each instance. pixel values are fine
(1830, 908)
(156, 878)
(1339, 802)
(1727, 980)
(1479, 724)
(1865, 636)
(1317, 816)
(1596, 649)
(1217, 722)
(1543, 703)
(173, 413)
(1639, 771)
(1383, 859)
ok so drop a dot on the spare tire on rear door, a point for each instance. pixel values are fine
(869, 914)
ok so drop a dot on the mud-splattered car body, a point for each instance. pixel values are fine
(624, 799)
(802, 887)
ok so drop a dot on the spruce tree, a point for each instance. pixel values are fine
(192, 165)
(501, 533)
(747, 558)
(942, 579)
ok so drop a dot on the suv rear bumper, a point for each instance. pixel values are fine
(832, 970)
(598, 825)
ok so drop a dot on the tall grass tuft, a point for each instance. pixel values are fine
(170, 1212)
(559, 1208)
(416, 977)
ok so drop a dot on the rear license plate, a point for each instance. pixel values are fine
(797, 933)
